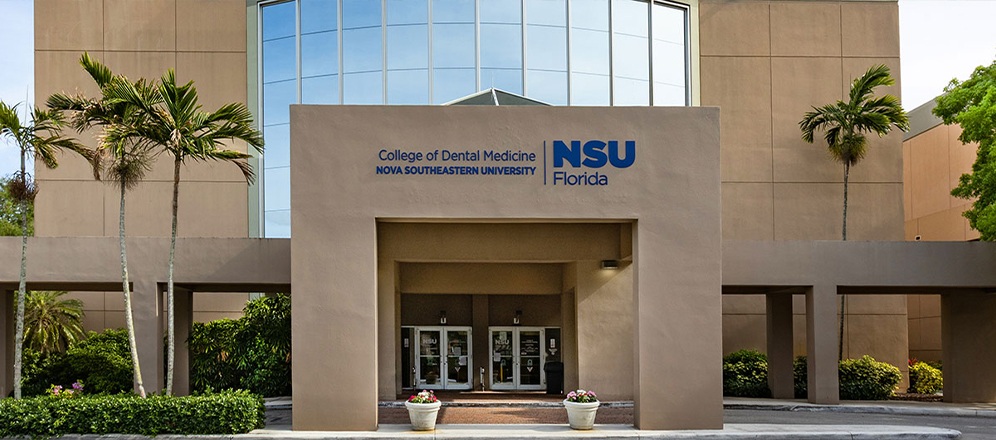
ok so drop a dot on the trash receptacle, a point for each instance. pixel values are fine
(554, 377)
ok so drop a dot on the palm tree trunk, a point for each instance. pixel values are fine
(21, 285)
(129, 320)
(170, 330)
(843, 298)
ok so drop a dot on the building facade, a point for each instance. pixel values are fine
(762, 63)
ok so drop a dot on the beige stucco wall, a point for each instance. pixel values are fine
(203, 41)
(350, 234)
(766, 63)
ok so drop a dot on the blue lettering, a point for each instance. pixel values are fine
(619, 162)
(561, 152)
(594, 152)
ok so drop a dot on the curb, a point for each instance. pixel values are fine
(869, 409)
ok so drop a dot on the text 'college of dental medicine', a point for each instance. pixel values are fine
(564, 163)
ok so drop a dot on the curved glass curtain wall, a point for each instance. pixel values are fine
(564, 52)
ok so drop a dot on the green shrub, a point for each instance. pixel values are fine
(251, 353)
(745, 374)
(800, 378)
(102, 361)
(231, 412)
(925, 379)
(867, 379)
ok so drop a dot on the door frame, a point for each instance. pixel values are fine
(443, 383)
(517, 359)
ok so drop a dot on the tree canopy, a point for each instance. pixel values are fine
(10, 214)
(972, 105)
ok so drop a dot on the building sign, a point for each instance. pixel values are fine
(560, 162)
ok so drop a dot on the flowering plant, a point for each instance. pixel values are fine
(58, 391)
(582, 396)
(423, 397)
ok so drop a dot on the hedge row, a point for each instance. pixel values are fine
(229, 412)
(745, 374)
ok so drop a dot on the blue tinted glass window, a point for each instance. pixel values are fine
(590, 51)
(407, 12)
(548, 86)
(453, 45)
(277, 98)
(590, 14)
(669, 23)
(628, 91)
(363, 88)
(319, 54)
(277, 224)
(546, 47)
(361, 50)
(279, 21)
(277, 153)
(277, 188)
(453, 11)
(318, 16)
(630, 17)
(588, 89)
(279, 60)
(408, 86)
(630, 57)
(360, 14)
(501, 46)
(407, 47)
(450, 84)
(669, 55)
(501, 11)
(669, 95)
(546, 12)
(319, 90)
(509, 80)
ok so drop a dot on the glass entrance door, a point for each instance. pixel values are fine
(443, 358)
(517, 357)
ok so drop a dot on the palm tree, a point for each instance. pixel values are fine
(123, 157)
(845, 125)
(179, 127)
(51, 323)
(38, 139)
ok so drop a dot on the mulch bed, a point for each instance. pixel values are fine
(912, 397)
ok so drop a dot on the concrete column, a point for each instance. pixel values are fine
(146, 300)
(480, 326)
(7, 339)
(779, 329)
(821, 344)
(569, 336)
(388, 308)
(968, 335)
(183, 303)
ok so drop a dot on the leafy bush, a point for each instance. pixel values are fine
(102, 361)
(925, 379)
(867, 379)
(252, 352)
(231, 412)
(745, 374)
(800, 377)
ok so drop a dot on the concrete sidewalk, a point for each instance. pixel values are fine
(604, 432)
(868, 407)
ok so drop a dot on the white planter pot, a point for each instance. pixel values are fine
(581, 415)
(423, 415)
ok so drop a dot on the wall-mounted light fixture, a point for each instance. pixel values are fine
(518, 318)
(442, 317)
(610, 264)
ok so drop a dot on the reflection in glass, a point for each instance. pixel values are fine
(407, 12)
(277, 98)
(279, 21)
(501, 46)
(509, 80)
(429, 357)
(453, 45)
(277, 191)
(408, 86)
(319, 54)
(361, 50)
(450, 84)
(501, 358)
(630, 92)
(363, 88)
(590, 14)
(530, 352)
(277, 139)
(276, 224)
(453, 11)
(318, 16)
(501, 11)
(546, 47)
(319, 90)
(279, 60)
(548, 86)
(669, 57)
(457, 357)
(588, 89)
(360, 13)
(407, 47)
(546, 12)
